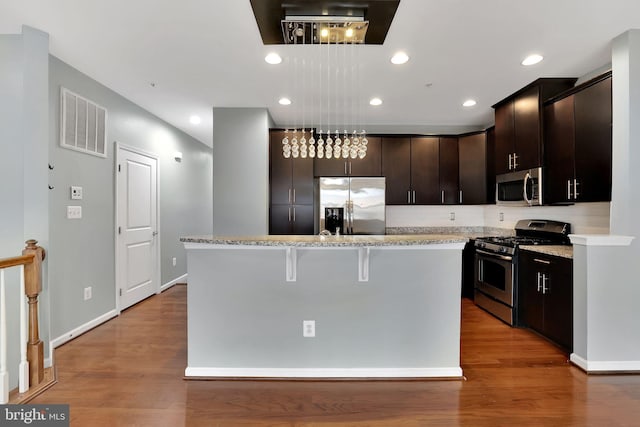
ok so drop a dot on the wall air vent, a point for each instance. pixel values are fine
(302, 21)
(83, 124)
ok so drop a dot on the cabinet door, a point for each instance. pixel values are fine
(593, 142)
(558, 304)
(396, 168)
(527, 129)
(472, 159)
(302, 181)
(425, 170)
(279, 171)
(530, 300)
(302, 219)
(371, 165)
(449, 185)
(559, 151)
(504, 136)
(330, 167)
(280, 219)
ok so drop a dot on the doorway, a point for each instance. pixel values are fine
(137, 224)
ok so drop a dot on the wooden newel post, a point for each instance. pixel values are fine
(33, 287)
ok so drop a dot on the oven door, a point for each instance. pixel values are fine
(494, 275)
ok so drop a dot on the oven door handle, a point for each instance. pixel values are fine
(492, 255)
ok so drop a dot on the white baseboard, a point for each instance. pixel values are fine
(170, 283)
(605, 366)
(82, 329)
(202, 372)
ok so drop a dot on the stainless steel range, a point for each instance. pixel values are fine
(496, 264)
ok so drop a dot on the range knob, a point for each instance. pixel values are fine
(482, 244)
(502, 249)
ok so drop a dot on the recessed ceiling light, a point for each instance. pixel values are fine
(399, 58)
(375, 101)
(273, 58)
(532, 59)
(284, 101)
(195, 120)
(469, 103)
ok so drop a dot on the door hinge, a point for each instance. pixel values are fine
(120, 291)
(119, 169)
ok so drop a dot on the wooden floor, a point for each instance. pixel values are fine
(128, 372)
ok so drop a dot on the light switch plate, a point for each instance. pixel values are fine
(74, 212)
(76, 193)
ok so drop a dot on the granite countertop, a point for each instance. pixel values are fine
(563, 251)
(329, 241)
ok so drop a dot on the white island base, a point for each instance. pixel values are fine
(383, 307)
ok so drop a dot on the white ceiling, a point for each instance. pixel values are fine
(208, 53)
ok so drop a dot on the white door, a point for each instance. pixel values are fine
(137, 242)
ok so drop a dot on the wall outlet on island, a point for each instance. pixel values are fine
(308, 328)
(501, 216)
(174, 261)
(452, 216)
(87, 293)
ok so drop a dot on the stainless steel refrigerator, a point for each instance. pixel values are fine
(362, 200)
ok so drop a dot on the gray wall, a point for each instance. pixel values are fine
(82, 251)
(240, 171)
(23, 168)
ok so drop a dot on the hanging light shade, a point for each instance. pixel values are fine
(332, 74)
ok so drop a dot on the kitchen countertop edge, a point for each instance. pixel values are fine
(329, 241)
(562, 251)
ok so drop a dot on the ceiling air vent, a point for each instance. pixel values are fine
(83, 124)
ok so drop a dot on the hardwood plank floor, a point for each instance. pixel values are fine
(128, 372)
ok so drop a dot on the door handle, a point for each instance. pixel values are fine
(538, 276)
(414, 196)
(154, 234)
(515, 157)
(575, 189)
(545, 289)
(510, 155)
(408, 197)
(289, 198)
(294, 196)
(294, 214)
(460, 196)
(289, 213)
(442, 197)
(569, 189)
(345, 168)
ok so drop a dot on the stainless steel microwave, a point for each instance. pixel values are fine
(520, 188)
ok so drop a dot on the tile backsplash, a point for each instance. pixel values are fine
(585, 218)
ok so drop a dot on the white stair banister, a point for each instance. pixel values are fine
(23, 368)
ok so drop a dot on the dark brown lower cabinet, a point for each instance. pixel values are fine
(291, 219)
(545, 286)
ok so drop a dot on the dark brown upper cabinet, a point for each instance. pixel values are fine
(578, 144)
(371, 165)
(449, 171)
(519, 124)
(473, 169)
(411, 168)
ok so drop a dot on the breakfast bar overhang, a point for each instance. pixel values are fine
(381, 306)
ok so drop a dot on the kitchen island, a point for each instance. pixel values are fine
(324, 306)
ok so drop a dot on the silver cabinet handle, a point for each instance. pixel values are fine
(442, 197)
(345, 168)
(289, 196)
(542, 261)
(294, 196)
(294, 214)
(515, 157)
(510, 155)
(538, 277)
(545, 289)
(414, 196)
(575, 189)
(350, 168)
(289, 213)
(408, 197)
(460, 196)
(569, 189)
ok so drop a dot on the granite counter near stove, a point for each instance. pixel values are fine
(563, 251)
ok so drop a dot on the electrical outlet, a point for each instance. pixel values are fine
(308, 328)
(501, 216)
(174, 261)
(87, 293)
(452, 216)
(74, 212)
(76, 193)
